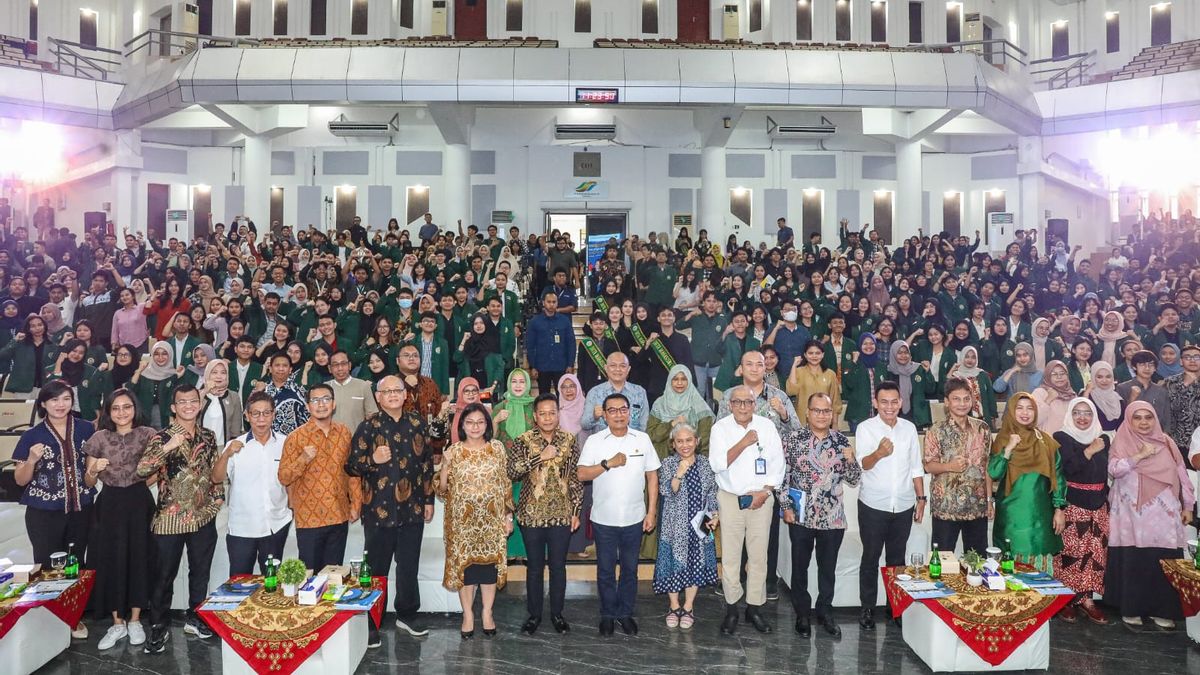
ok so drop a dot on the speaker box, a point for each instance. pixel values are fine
(94, 220)
(1058, 228)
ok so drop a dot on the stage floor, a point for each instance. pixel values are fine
(1078, 648)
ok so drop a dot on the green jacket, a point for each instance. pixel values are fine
(189, 345)
(987, 399)
(24, 364)
(856, 390)
(922, 387)
(152, 394)
(923, 351)
(451, 330)
(254, 373)
(91, 391)
(508, 341)
(707, 346)
(733, 360)
(829, 362)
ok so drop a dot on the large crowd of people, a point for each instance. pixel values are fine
(294, 378)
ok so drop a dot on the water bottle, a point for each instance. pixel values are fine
(364, 572)
(271, 578)
(935, 564)
(1007, 564)
(1196, 558)
(71, 571)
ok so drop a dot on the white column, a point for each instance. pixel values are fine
(909, 212)
(456, 179)
(714, 194)
(256, 179)
(1028, 211)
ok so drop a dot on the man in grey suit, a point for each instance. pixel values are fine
(354, 397)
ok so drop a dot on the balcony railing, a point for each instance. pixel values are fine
(1064, 71)
(1000, 53)
(155, 43)
(96, 63)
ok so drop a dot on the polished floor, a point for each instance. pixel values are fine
(1078, 648)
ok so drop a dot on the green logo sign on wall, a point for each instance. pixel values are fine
(588, 189)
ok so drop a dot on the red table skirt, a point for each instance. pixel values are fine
(275, 635)
(992, 623)
(68, 607)
(1185, 579)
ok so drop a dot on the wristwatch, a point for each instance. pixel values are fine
(604, 464)
(922, 498)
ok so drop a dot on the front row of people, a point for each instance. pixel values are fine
(1048, 496)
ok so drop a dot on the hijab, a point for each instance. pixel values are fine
(955, 343)
(518, 407)
(570, 413)
(1081, 436)
(72, 373)
(121, 374)
(1022, 380)
(964, 371)
(153, 371)
(55, 323)
(1109, 340)
(208, 351)
(689, 404)
(1065, 392)
(1035, 451)
(11, 323)
(208, 368)
(1166, 370)
(878, 296)
(1039, 345)
(903, 373)
(868, 360)
(1107, 400)
(459, 405)
(1157, 472)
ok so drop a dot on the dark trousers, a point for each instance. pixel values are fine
(245, 551)
(201, 545)
(617, 545)
(548, 381)
(403, 544)
(974, 534)
(827, 543)
(879, 530)
(773, 550)
(52, 531)
(321, 546)
(537, 541)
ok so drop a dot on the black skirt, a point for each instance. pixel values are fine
(122, 552)
(479, 574)
(1135, 584)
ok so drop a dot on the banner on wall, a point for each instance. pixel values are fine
(585, 189)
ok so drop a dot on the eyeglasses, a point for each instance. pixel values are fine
(1081, 413)
(820, 411)
(741, 402)
(623, 410)
(339, 363)
(1190, 357)
(259, 414)
(122, 408)
(321, 399)
(471, 390)
(474, 423)
(392, 392)
(188, 402)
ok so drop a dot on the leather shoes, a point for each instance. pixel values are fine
(606, 627)
(560, 624)
(531, 625)
(729, 624)
(628, 625)
(756, 619)
(1094, 614)
(803, 627)
(831, 627)
(1068, 614)
(867, 619)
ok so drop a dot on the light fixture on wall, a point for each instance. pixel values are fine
(739, 191)
(1109, 16)
(950, 194)
(882, 193)
(1060, 23)
(421, 188)
(1160, 6)
(996, 192)
(201, 187)
(811, 192)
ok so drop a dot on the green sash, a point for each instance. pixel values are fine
(602, 305)
(593, 351)
(659, 349)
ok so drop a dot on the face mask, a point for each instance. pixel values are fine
(789, 316)
(406, 303)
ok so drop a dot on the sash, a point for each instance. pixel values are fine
(593, 351)
(659, 349)
(602, 304)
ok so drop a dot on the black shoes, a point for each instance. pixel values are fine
(756, 619)
(159, 636)
(606, 627)
(831, 627)
(467, 634)
(628, 625)
(196, 626)
(560, 624)
(803, 626)
(531, 625)
(374, 639)
(729, 624)
(772, 592)
(867, 619)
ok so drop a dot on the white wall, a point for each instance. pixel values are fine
(1086, 27)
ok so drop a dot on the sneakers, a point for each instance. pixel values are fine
(196, 626)
(159, 636)
(80, 631)
(772, 592)
(112, 636)
(412, 627)
(374, 640)
(137, 634)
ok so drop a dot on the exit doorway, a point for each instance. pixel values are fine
(592, 229)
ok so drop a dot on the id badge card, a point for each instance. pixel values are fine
(760, 467)
(557, 338)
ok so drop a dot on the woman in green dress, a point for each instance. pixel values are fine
(510, 418)
(859, 382)
(153, 383)
(1031, 494)
(915, 383)
(984, 398)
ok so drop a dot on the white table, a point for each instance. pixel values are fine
(1193, 627)
(339, 655)
(36, 638)
(933, 641)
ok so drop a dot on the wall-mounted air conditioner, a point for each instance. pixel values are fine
(777, 130)
(731, 28)
(344, 128)
(582, 132)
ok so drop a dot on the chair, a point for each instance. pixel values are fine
(15, 415)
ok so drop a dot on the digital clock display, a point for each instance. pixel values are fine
(591, 95)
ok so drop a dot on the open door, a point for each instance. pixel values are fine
(470, 19)
(692, 20)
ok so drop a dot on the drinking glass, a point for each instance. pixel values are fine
(58, 561)
(1191, 549)
(355, 567)
(918, 561)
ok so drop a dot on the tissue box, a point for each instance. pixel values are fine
(993, 580)
(335, 574)
(310, 592)
(23, 573)
(949, 562)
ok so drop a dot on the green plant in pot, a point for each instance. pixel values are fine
(292, 573)
(972, 564)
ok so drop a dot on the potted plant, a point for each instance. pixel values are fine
(292, 573)
(972, 564)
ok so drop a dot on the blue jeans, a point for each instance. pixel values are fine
(704, 378)
(617, 545)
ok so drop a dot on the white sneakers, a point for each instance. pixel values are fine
(115, 634)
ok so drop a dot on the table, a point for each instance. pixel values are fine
(976, 629)
(31, 634)
(1182, 574)
(270, 633)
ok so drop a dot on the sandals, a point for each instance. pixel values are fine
(673, 618)
(686, 619)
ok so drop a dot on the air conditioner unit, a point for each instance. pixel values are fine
(731, 28)
(776, 130)
(189, 17)
(344, 128)
(973, 32)
(681, 220)
(438, 19)
(581, 132)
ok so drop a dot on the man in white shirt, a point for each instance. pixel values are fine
(259, 517)
(891, 494)
(623, 466)
(355, 399)
(746, 454)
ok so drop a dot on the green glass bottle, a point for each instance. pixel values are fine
(271, 578)
(1007, 564)
(1196, 558)
(71, 571)
(935, 564)
(364, 572)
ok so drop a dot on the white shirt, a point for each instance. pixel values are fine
(888, 486)
(1194, 446)
(242, 371)
(67, 307)
(740, 478)
(214, 419)
(619, 495)
(178, 343)
(258, 503)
